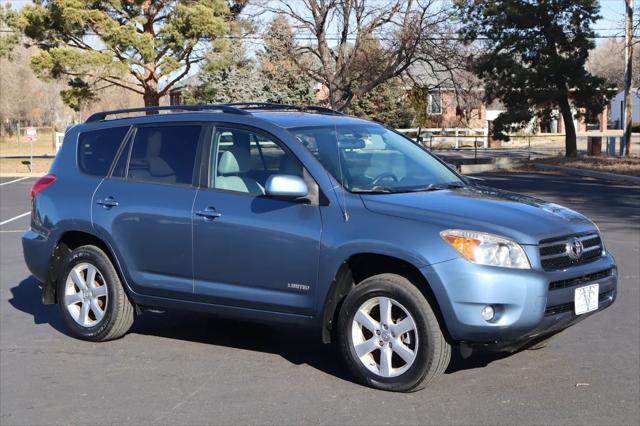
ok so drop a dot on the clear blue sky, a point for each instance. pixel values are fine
(612, 12)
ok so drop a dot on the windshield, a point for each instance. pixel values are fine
(371, 158)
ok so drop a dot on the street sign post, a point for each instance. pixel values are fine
(31, 135)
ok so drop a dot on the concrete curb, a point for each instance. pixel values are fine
(590, 173)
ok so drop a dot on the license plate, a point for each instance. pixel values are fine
(586, 299)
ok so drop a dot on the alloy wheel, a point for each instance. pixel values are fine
(85, 295)
(384, 337)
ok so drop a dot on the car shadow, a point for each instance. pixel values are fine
(478, 359)
(27, 297)
(297, 345)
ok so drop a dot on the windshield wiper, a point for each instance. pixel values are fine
(436, 187)
(374, 190)
(388, 190)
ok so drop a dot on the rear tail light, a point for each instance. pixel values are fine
(41, 184)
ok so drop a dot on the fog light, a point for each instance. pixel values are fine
(488, 313)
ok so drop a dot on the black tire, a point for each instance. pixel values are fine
(433, 351)
(119, 312)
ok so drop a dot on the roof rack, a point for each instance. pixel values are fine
(99, 116)
(283, 107)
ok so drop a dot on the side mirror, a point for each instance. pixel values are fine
(286, 186)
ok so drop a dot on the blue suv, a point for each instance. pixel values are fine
(302, 215)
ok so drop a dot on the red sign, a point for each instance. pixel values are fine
(31, 134)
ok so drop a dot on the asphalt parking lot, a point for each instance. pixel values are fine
(185, 368)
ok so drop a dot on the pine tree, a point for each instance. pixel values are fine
(228, 76)
(143, 46)
(283, 81)
(386, 104)
(533, 60)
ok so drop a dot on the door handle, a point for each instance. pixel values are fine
(108, 202)
(209, 213)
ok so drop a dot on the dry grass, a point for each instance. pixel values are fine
(620, 165)
(14, 146)
(15, 166)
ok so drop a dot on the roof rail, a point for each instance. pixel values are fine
(99, 116)
(283, 107)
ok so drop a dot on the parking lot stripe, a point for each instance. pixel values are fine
(15, 180)
(14, 218)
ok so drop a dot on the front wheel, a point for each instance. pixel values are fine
(91, 298)
(390, 336)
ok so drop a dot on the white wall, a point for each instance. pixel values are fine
(616, 108)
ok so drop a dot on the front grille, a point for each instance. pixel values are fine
(554, 254)
(567, 307)
(555, 285)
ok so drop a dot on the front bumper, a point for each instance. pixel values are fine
(526, 308)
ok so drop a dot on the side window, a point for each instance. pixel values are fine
(242, 161)
(164, 154)
(97, 148)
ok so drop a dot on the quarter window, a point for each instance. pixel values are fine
(97, 148)
(164, 154)
(242, 161)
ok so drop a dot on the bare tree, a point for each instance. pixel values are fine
(25, 99)
(607, 60)
(356, 45)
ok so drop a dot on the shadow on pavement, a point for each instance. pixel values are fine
(296, 345)
(477, 360)
(27, 297)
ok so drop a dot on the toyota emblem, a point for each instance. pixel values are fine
(575, 248)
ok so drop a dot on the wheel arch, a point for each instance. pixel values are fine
(361, 266)
(67, 242)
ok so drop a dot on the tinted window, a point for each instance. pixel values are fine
(164, 154)
(243, 160)
(97, 148)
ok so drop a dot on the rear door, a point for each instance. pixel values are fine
(145, 207)
(252, 250)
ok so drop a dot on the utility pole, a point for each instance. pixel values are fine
(628, 96)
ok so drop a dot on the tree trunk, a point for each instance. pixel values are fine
(628, 74)
(571, 147)
(151, 99)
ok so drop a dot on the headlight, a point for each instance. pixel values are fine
(487, 249)
(603, 251)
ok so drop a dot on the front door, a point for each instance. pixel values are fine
(252, 250)
(145, 208)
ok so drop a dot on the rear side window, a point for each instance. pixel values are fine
(164, 154)
(97, 148)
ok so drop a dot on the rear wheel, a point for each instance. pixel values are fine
(91, 298)
(389, 335)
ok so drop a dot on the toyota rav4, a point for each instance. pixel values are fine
(302, 215)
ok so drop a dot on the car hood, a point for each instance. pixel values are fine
(524, 219)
